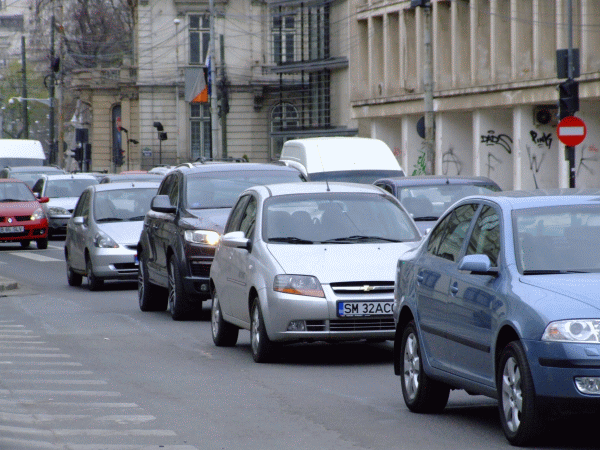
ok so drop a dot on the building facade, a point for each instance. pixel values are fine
(495, 86)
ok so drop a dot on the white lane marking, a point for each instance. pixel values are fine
(31, 444)
(20, 347)
(56, 247)
(126, 419)
(44, 381)
(16, 331)
(39, 418)
(35, 355)
(44, 363)
(36, 257)
(53, 392)
(12, 326)
(12, 336)
(46, 372)
(23, 342)
(106, 433)
(86, 405)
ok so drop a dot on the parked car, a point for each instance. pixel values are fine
(183, 226)
(346, 159)
(63, 192)
(501, 299)
(103, 233)
(29, 174)
(426, 197)
(308, 262)
(22, 218)
(124, 177)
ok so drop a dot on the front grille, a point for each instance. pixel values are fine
(363, 287)
(363, 324)
(131, 247)
(200, 267)
(315, 325)
(11, 235)
(23, 218)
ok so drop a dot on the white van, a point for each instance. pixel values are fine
(21, 152)
(349, 159)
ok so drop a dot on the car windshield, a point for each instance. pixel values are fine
(15, 192)
(71, 187)
(429, 202)
(122, 204)
(221, 189)
(557, 239)
(337, 218)
(355, 176)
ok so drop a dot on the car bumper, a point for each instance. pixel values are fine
(116, 263)
(321, 320)
(555, 367)
(58, 224)
(37, 229)
(197, 269)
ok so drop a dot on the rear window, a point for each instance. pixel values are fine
(355, 176)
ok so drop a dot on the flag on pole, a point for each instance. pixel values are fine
(200, 90)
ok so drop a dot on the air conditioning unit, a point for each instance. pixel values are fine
(545, 115)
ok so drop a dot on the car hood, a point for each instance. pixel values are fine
(208, 219)
(584, 288)
(63, 202)
(333, 263)
(18, 208)
(126, 233)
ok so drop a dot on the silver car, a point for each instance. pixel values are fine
(308, 262)
(103, 233)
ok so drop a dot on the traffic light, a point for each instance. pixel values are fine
(78, 154)
(568, 98)
(119, 157)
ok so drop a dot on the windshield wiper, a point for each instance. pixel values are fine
(551, 271)
(359, 237)
(109, 219)
(291, 240)
(425, 218)
(136, 218)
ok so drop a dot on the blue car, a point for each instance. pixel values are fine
(502, 299)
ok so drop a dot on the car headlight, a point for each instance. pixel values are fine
(299, 285)
(103, 240)
(202, 237)
(38, 214)
(58, 211)
(576, 330)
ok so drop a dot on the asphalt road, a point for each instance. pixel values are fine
(83, 370)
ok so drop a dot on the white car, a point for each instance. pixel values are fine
(308, 262)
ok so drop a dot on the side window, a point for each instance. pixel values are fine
(485, 238)
(236, 214)
(249, 218)
(38, 186)
(454, 232)
(437, 234)
(165, 186)
(81, 206)
(174, 191)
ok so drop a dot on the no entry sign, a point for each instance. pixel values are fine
(571, 131)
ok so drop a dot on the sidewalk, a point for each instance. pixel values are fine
(6, 284)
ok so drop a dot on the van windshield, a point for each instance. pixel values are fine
(11, 162)
(355, 176)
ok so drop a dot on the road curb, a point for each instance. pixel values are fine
(6, 284)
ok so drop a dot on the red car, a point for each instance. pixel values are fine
(22, 218)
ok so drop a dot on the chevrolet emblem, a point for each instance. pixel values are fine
(367, 288)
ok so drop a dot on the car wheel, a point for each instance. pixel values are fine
(94, 283)
(421, 393)
(150, 296)
(263, 350)
(177, 299)
(42, 244)
(25, 244)
(224, 334)
(519, 414)
(73, 278)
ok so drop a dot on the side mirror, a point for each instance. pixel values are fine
(79, 220)
(477, 265)
(43, 199)
(161, 203)
(236, 239)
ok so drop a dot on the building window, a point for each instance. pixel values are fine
(319, 107)
(284, 28)
(199, 38)
(284, 118)
(200, 131)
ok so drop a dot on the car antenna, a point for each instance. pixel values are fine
(323, 167)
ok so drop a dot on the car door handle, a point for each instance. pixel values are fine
(420, 278)
(454, 289)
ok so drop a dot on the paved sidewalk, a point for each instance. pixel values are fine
(6, 284)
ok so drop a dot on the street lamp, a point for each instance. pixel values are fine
(162, 136)
(133, 141)
(46, 101)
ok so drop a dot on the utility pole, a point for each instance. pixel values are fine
(51, 137)
(224, 100)
(214, 117)
(24, 70)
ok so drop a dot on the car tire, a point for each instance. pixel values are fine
(73, 278)
(519, 414)
(150, 296)
(421, 393)
(263, 349)
(178, 302)
(224, 334)
(94, 283)
(25, 244)
(42, 244)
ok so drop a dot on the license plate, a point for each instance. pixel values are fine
(12, 229)
(355, 309)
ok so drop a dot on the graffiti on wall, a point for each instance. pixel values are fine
(535, 164)
(493, 139)
(492, 162)
(542, 141)
(420, 168)
(588, 154)
(449, 159)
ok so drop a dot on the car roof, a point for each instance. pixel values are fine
(424, 180)
(125, 185)
(50, 169)
(229, 167)
(68, 176)
(11, 180)
(315, 187)
(536, 198)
